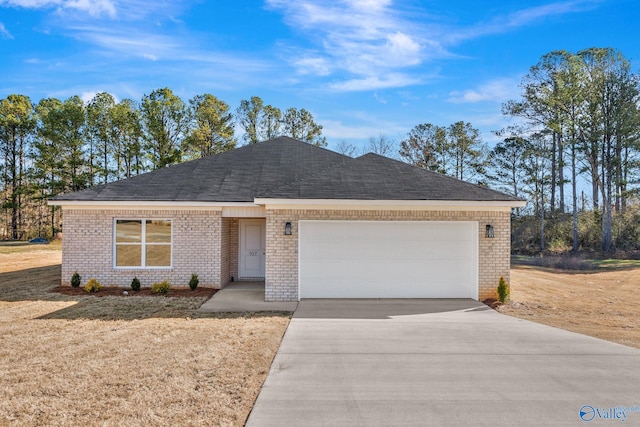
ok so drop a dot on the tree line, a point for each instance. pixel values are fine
(58, 146)
(574, 154)
(579, 126)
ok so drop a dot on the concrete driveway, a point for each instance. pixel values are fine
(442, 363)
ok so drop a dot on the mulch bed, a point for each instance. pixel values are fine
(143, 292)
(493, 303)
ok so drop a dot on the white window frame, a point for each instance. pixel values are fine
(143, 245)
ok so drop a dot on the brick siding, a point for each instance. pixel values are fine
(87, 247)
(207, 244)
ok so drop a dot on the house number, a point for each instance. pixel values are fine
(253, 253)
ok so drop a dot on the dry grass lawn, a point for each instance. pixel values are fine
(603, 304)
(122, 361)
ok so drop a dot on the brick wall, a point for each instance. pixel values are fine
(282, 251)
(225, 267)
(233, 247)
(87, 247)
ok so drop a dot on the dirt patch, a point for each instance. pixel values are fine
(143, 292)
(112, 361)
(602, 304)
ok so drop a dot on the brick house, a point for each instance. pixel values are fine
(310, 222)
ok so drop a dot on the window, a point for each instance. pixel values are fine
(142, 243)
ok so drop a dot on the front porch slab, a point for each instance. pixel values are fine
(242, 297)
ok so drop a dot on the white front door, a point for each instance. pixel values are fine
(252, 249)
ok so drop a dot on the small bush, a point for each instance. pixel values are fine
(503, 290)
(93, 286)
(135, 284)
(161, 287)
(193, 283)
(76, 280)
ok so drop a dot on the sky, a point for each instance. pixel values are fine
(364, 68)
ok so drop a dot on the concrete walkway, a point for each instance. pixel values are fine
(243, 297)
(441, 363)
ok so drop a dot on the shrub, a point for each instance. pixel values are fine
(92, 286)
(193, 283)
(75, 280)
(135, 284)
(161, 287)
(503, 290)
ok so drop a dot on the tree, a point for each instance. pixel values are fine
(536, 163)
(212, 129)
(63, 124)
(248, 116)
(299, 124)
(589, 103)
(468, 151)
(381, 145)
(165, 122)
(261, 122)
(99, 134)
(17, 123)
(539, 107)
(47, 158)
(508, 159)
(126, 132)
(270, 125)
(611, 128)
(426, 146)
(346, 148)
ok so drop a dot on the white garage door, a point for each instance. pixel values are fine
(388, 259)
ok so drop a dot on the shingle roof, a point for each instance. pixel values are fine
(375, 177)
(284, 168)
(234, 176)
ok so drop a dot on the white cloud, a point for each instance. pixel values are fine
(369, 4)
(498, 90)
(150, 56)
(504, 23)
(392, 80)
(380, 99)
(365, 43)
(88, 96)
(4, 33)
(313, 65)
(369, 43)
(127, 42)
(92, 7)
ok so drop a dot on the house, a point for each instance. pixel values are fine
(310, 222)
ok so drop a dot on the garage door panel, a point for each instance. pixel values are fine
(385, 259)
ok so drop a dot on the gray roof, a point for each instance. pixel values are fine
(284, 168)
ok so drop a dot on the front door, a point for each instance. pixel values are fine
(252, 248)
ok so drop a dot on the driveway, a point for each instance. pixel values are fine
(442, 363)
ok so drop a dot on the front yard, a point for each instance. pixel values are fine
(122, 360)
(604, 303)
(82, 360)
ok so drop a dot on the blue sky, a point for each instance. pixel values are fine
(362, 67)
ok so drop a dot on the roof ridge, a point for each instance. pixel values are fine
(439, 174)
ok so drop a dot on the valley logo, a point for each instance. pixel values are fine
(620, 413)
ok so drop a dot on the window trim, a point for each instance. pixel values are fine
(143, 244)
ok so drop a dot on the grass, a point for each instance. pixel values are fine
(11, 247)
(617, 263)
(601, 303)
(131, 361)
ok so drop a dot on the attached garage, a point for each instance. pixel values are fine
(388, 259)
(313, 223)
